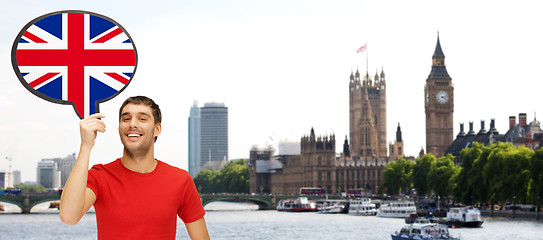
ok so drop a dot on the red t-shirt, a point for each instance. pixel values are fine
(132, 205)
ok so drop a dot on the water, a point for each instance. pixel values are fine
(241, 221)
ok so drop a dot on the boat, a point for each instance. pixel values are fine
(362, 207)
(397, 209)
(464, 217)
(301, 204)
(332, 206)
(423, 229)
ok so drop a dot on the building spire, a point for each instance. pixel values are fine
(438, 53)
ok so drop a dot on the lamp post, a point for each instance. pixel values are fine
(492, 206)
(514, 208)
(537, 216)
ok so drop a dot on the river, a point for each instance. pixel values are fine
(242, 221)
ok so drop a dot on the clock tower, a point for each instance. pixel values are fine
(438, 105)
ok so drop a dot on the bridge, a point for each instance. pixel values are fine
(26, 202)
(264, 201)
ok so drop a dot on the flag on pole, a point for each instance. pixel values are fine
(361, 49)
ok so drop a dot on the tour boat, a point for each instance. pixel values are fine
(301, 204)
(464, 217)
(397, 209)
(362, 207)
(422, 229)
(331, 206)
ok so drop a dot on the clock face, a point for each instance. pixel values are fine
(442, 97)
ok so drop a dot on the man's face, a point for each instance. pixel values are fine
(137, 128)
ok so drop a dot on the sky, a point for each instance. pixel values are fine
(282, 67)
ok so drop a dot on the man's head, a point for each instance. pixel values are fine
(139, 123)
(143, 100)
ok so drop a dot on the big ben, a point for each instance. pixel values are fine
(438, 105)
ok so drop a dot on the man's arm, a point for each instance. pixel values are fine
(197, 229)
(76, 198)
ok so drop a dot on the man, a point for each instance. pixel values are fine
(135, 196)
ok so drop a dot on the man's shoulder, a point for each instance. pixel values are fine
(109, 165)
(172, 169)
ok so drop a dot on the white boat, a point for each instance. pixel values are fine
(464, 217)
(362, 207)
(422, 229)
(301, 204)
(397, 209)
(331, 206)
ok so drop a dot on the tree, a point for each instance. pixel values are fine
(536, 187)
(419, 177)
(206, 181)
(31, 188)
(441, 175)
(233, 178)
(507, 172)
(397, 176)
(462, 189)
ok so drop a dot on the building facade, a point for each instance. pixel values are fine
(64, 166)
(520, 133)
(367, 116)
(194, 140)
(213, 133)
(438, 105)
(48, 174)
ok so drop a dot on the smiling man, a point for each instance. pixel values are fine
(135, 196)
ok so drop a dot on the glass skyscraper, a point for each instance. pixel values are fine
(208, 136)
(194, 140)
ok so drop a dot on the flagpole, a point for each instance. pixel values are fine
(367, 68)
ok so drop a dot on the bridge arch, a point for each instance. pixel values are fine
(263, 202)
(26, 202)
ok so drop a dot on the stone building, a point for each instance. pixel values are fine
(518, 134)
(439, 105)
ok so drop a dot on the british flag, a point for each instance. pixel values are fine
(74, 57)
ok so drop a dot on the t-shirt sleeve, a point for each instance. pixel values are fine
(191, 208)
(93, 178)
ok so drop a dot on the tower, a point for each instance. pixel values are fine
(367, 116)
(213, 135)
(194, 140)
(438, 105)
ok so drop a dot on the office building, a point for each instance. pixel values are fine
(194, 140)
(64, 165)
(213, 134)
(48, 174)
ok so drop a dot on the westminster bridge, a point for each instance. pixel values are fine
(27, 201)
(264, 201)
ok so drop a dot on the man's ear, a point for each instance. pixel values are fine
(158, 129)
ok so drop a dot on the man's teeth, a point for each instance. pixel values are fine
(133, 135)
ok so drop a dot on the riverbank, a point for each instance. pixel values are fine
(512, 215)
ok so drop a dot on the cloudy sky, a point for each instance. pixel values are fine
(282, 67)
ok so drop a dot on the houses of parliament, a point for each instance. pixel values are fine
(360, 165)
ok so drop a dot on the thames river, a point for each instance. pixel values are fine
(241, 221)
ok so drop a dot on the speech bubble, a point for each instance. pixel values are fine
(75, 58)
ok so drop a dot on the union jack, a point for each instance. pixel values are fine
(74, 57)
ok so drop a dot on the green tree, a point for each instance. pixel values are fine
(536, 188)
(419, 177)
(233, 178)
(206, 181)
(397, 176)
(31, 188)
(507, 172)
(462, 187)
(441, 175)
